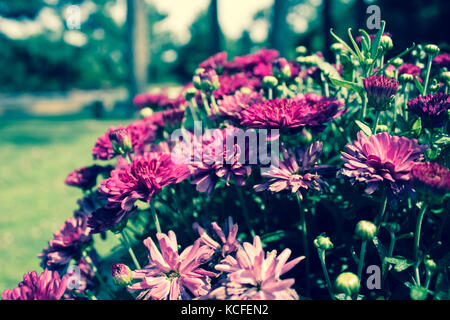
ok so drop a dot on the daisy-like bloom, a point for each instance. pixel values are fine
(141, 133)
(432, 109)
(232, 105)
(303, 110)
(216, 61)
(86, 177)
(141, 179)
(67, 243)
(227, 244)
(408, 68)
(381, 159)
(107, 218)
(442, 60)
(254, 275)
(46, 286)
(170, 275)
(379, 90)
(295, 172)
(218, 161)
(431, 178)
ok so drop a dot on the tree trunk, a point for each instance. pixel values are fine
(327, 25)
(215, 28)
(138, 54)
(278, 30)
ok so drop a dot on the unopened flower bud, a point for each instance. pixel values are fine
(386, 42)
(406, 77)
(282, 69)
(418, 293)
(270, 82)
(347, 283)
(301, 50)
(382, 128)
(368, 61)
(209, 80)
(121, 274)
(146, 112)
(190, 93)
(120, 141)
(445, 76)
(307, 60)
(366, 230)
(430, 265)
(245, 90)
(432, 50)
(323, 243)
(392, 227)
(337, 47)
(197, 82)
(397, 62)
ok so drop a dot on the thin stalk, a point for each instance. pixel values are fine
(361, 258)
(97, 275)
(245, 211)
(383, 206)
(377, 120)
(206, 104)
(304, 241)
(417, 240)
(321, 254)
(364, 108)
(270, 93)
(193, 108)
(155, 216)
(126, 244)
(427, 77)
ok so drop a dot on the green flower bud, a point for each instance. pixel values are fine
(432, 50)
(386, 42)
(418, 293)
(445, 76)
(197, 82)
(368, 61)
(269, 82)
(366, 230)
(146, 112)
(347, 283)
(308, 60)
(382, 128)
(190, 93)
(301, 50)
(406, 77)
(397, 62)
(430, 265)
(245, 90)
(323, 243)
(337, 48)
(392, 227)
(121, 141)
(121, 275)
(306, 137)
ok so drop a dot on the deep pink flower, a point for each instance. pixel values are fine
(247, 62)
(432, 178)
(232, 105)
(255, 275)
(142, 178)
(86, 177)
(170, 275)
(442, 60)
(432, 109)
(67, 243)
(229, 84)
(158, 101)
(216, 61)
(295, 172)
(47, 286)
(408, 68)
(381, 159)
(225, 244)
(303, 110)
(380, 90)
(166, 117)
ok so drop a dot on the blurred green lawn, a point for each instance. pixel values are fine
(35, 157)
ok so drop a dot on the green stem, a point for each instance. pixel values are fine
(193, 108)
(304, 240)
(126, 244)
(383, 206)
(245, 211)
(427, 77)
(377, 120)
(417, 241)
(206, 104)
(155, 216)
(270, 93)
(97, 275)
(361, 258)
(321, 254)
(364, 108)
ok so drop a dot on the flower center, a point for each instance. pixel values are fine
(171, 275)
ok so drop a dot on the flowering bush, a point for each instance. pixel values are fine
(340, 165)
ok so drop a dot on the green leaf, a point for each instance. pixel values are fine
(360, 56)
(273, 236)
(444, 140)
(347, 84)
(376, 41)
(418, 85)
(400, 263)
(364, 127)
(397, 56)
(417, 127)
(344, 43)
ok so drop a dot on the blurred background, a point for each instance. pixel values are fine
(69, 69)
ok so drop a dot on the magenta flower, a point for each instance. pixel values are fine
(166, 117)
(47, 286)
(381, 159)
(432, 178)
(442, 60)
(86, 177)
(67, 243)
(158, 101)
(247, 62)
(295, 172)
(303, 110)
(229, 84)
(432, 109)
(227, 244)
(170, 275)
(141, 179)
(216, 61)
(408, 68)
(380, 90)
(254, 275)
(218, 161)
(232, 105)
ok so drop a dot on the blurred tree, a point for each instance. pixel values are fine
(215, 35)
(326, 25)
(278, 29)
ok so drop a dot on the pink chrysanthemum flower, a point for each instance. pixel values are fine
(295, 172)
(142, 178)
(67, 243)
(216, 61)
(303, 110)
(381, 159)
(247, 62)
(170, 275)
(158, 101)
(166, 117)
(229, 84)
(254, 275)
(232, 105)
(442, 60)
(86, 177)
(47, 286)
(379, 90)
(432, 178)
(227, 244)
(408, 68)
(432, 109)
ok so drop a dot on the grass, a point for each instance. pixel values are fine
(35, 157)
